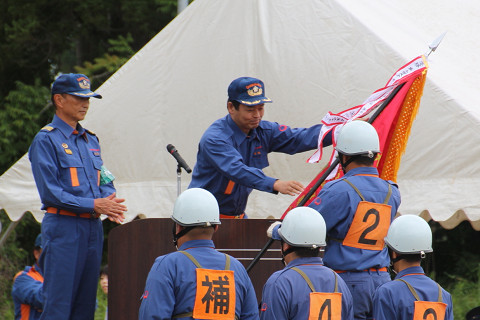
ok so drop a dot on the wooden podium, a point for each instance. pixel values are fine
(133, 247)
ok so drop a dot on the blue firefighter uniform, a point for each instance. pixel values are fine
(395, 301)
(355, 247)
(171, 283)
(27, 293)
(229, 163)
(66, 165)
(286, 293)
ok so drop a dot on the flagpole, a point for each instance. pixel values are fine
(325, 175)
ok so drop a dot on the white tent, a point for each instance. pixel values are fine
(314, 56)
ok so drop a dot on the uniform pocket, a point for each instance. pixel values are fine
(259, 158)
(70, 166)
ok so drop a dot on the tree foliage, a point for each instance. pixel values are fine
(25, 109)
(41, 38)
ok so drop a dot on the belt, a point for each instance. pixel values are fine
(384, 269)
(72, 214)
(224, 216)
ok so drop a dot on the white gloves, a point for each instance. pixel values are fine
(272, 231)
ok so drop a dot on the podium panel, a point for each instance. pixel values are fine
(133, 247)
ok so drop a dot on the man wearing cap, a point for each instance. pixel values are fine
(412, 295)
(27, 288)
(233, 150)
(197, 281)
(75, 189)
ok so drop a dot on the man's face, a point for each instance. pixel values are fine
(104, 283)
(246, 117)
(71, 109)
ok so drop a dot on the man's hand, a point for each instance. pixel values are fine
(110, 206)
(272, 231)
(288, 187)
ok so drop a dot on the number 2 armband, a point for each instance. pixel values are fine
(370, 223)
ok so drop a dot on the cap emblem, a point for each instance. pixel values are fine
(254, 89)
(83, 83)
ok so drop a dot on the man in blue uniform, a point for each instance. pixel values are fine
(304, 289)
(197, 281)
(27, 288)
(233, 150)
(412, 295)
(74, 190)
(358, 209)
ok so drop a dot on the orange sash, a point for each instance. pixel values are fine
(370, 223)
(323, 305)
(427, 310)
(215, 292)
(215, 297)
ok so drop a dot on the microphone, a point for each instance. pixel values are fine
(171, 149)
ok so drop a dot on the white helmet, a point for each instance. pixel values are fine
(358, 137)
(303, 227)
(196, 207)
(409, 234)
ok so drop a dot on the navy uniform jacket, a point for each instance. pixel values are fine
(229, 163)
(286, 295)
(337, 203)
(27, 294)
(66, 167)
(171, 283)
(394, 301)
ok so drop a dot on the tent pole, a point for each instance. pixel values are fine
(9, 230)
(181, 5)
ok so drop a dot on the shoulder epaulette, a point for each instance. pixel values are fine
(392, 183)
(332, 182)
(47, 128)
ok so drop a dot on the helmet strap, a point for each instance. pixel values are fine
(286, 252)
(346, 163)
(398, 258)
(406, 256)
(182, 232)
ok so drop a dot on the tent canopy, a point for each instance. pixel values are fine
(314, 57)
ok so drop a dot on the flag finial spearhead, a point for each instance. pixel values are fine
(435, 43)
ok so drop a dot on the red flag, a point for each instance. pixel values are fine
(393, 125)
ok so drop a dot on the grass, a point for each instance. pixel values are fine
(465, 295)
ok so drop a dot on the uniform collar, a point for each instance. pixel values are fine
(410, 270)
(65, 128)
(36, 268)
(362, 170)
(197, 243)
(300, 261)
(238, 135)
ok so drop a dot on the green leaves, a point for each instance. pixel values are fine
(103, 67)
(39, 39)
(25, 110)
